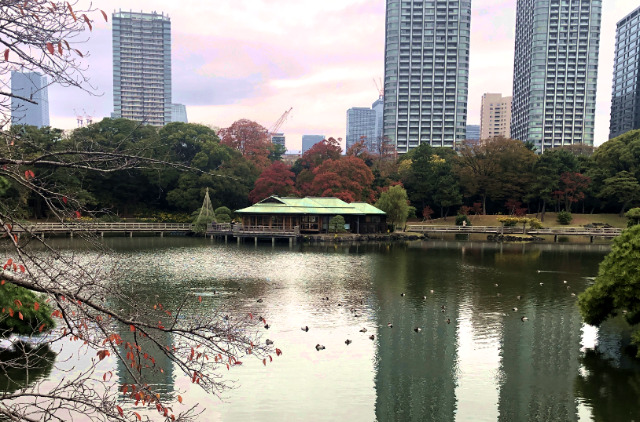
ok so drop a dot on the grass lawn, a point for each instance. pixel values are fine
(579, 220)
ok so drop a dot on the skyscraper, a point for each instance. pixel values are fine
(473, 133)
(426, 72)
(495, 116)
(555, 72)
(179, 113)
(142, 67)
(625, 100)
(32, 86)
(310, 140)
(361, 124)
(378, 107)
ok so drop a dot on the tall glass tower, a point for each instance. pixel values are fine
(32, 86)
(426, 72)
(142, 67)
(625, 100)
(555, 72)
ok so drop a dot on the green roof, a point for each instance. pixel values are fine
(308, 205)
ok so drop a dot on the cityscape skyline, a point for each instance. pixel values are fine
(247, 68)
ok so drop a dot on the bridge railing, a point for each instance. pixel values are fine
(91, 226)
(424, 228)
(266, 230)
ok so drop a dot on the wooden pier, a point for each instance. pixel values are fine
(241, 232)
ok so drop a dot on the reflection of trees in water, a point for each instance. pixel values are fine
(611, 392)
(14, 377)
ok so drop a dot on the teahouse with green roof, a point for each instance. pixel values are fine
(312, 215)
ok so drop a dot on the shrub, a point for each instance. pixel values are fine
(336, 224)
(634, 217)
(224, 210)
(509, 221)
(460, 220)
(20, 301)
(412, 213)
(535, 224)
(223, 218)
(565, 218)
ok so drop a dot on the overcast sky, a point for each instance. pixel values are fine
(254, 59)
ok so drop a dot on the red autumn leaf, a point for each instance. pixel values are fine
(54, 5)
(50, 48)
(78, 214)
(41, 329)
(251, 139)
(264, 362)
(200, 299)
(103, 354)
(105, 16)
(2, 283)
(18, 303)
(22, 268)
(88, 21)
(36, 306)
(6, 54)
(11, 312)
(10, 261)
(132, 328)
(71, 11)
(66, 44)
(60, 48)
(179, 399)
(238, 363)
(78, 52)
(120, 410)
(138, 416)
(278, 352)
(20, 316)
(64, 199)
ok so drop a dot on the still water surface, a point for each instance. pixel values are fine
(473, 360)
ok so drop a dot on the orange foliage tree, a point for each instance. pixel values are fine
(328, 149)
(251, 139)
(347, 178)
(277, 179)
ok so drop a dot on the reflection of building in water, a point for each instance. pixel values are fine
(160, 382)
(415, 378)
(540, 359)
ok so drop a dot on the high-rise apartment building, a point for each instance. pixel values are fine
(361, 125)
(179, 113)
(142, 67)
(625, 100)
(310, 140)
(426, 72)
(495, 116)
(473, 133)
(555, 72)
(32, 86)
(278, 139)
(378, 107)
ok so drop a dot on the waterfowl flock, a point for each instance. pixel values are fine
(356, 313)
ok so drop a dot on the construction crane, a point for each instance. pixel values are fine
(87, 118)
(79, 118)
(278, 124)
(379, 87)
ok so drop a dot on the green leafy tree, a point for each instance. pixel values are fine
(395, 203)
(564, 217)
(617, 286)
(336, 224)
(634, 217)
(622, 189)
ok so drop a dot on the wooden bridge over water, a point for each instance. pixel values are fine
(71, 228)
(556, 232)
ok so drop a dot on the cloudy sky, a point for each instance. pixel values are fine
(254, 59)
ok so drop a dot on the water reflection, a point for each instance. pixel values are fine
(486, 364)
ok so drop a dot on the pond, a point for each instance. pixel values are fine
(500, 336)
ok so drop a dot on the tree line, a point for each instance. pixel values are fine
(240, 167)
